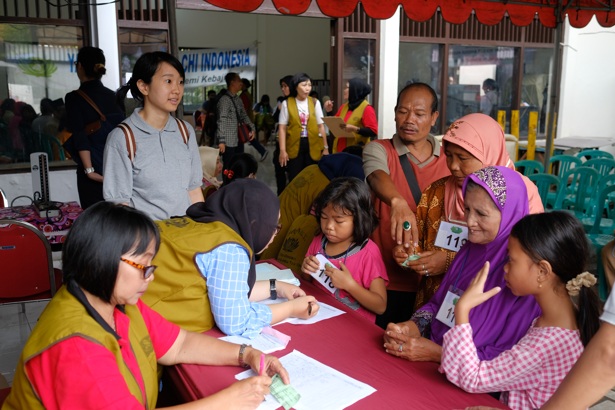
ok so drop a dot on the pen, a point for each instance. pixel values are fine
(261, 368)
(309, 308)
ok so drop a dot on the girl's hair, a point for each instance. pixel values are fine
(240, 166)
(297, 79)
(559, 238)
(144, 69)
(98, 239)
(92, 59)
(353, 196)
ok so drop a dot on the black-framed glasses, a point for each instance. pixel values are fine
(147, 270)
(278, 228)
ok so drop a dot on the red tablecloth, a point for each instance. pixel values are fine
(54, 228)
(353, 346)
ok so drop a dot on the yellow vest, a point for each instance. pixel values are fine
(179, 291)
(66, 317)
(293, 131)
(356, 118)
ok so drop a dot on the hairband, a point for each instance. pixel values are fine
(582, 279)
(228, 173)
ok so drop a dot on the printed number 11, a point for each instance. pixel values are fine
(451, 311)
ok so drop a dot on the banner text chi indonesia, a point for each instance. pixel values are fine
(207, 67)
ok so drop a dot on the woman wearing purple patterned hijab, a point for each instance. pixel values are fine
(498, 323)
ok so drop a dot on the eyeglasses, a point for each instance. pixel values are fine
(147, 270)
(278, 228)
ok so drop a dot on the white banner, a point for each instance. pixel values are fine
(208, 67)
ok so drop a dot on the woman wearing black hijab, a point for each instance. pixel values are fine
(243, 220)
(357, 113)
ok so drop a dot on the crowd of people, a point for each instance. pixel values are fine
(507, 309)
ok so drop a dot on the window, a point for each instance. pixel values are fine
(359, 60)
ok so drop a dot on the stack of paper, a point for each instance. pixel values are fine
(266, 271)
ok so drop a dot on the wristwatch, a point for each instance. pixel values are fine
(273, 294)
(242, 350)
(89, 170)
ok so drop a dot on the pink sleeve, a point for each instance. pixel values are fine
(314, 247)
(98, 382)
(369, 119)
(372, 265)
(162, 332)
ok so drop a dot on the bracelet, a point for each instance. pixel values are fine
(325, 147)
(88, 170)
(242, 349)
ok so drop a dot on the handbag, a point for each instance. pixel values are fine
(243, 130)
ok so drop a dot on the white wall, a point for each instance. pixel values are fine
(62, 186)
(286, 44)
(587, 99)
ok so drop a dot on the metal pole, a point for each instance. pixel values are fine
(172, 21)
(556, 85)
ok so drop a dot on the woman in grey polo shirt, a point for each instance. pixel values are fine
(152, 160)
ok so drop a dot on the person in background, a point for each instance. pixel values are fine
(489, 101)
(230, 113)
(471, 143)
(346, 217)
(495, 198)
(212, 167)
(209, 126)
(397, 194)
(97, 334)
(301, 131)
(281, 172)
(87, 144)
(242, 165)
(264, 117)
(246, 99)
(358, 115)
(39, 125)
(548, 254)
(207, 264)
(165, 175)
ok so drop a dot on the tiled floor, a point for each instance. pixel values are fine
(16, 326)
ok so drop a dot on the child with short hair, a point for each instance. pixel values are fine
(547, 257)
(345, 213)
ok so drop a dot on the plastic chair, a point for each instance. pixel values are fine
(27, 267)
(560, 164)
(512, 146)
(576, 188)
(547, 184)
(529, 166)
(593, 153)
(603, 165)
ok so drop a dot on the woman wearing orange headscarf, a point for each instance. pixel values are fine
(473, 142)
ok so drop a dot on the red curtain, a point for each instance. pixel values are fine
(453, 11)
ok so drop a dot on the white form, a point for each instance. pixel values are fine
(320, 386)
(325, 312)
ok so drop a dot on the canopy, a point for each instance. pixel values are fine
(490, 12)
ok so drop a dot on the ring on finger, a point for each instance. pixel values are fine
(400, 348)
(406, 226)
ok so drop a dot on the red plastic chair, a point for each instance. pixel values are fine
(26, 267)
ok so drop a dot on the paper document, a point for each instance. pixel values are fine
(334, 124)
(325, 312)
(266, 271)
(320, 386)
(268, 341)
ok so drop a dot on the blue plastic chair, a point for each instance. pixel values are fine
(603, 165)
(560, 164)
(593, 153)
(576, 188)
(547, 184)
(529, 166)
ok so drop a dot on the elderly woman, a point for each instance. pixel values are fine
(495, 199)
(96, 333)
(207, 265)
(471, 143)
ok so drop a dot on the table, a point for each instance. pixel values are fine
(573, 142)
(54, 228)
(353, 346)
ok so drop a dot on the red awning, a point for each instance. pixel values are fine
(489, 12)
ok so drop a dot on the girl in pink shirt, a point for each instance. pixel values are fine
(547, 258)
(355, 269)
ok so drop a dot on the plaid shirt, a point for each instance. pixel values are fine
(229, 108)
(528, 374)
